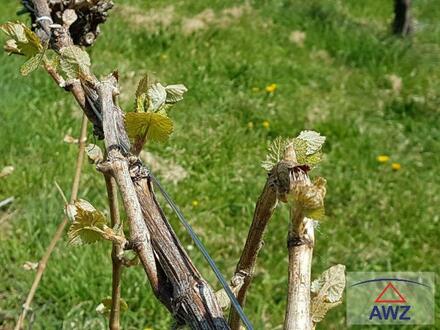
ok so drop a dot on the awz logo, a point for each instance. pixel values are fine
(390, 298)
(392, 312)
(384, 312)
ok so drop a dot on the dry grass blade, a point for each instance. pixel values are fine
(60, 229)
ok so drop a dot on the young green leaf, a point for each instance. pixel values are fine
(311, 198)
(11, 47)
(330, 284)
(32, 64)
(275, 153)
(153, 96)
(154, 126)
(144, 85)
(26, 41)
(300, 147)
(52, 59)
(317, 214)
(157, 96)
(140, 103)
(71, 209)
(175, 93)
(314, 141)
(308, 147)
(88, 226)
(319, 309)
(75, 62)
(15, 30)
(327, 291)
(314, 159)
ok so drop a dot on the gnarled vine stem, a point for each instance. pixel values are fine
(174, 279)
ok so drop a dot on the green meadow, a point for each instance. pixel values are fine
(254, 71)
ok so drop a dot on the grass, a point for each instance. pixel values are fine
(378, 219)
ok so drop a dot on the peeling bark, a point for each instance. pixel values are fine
(300, 243)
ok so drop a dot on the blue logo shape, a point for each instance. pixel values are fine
(390, 298)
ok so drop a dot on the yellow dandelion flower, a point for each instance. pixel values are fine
(266, 124)
(195, 203)
(271, 88)
(383, 158)
(250, 125)
(396, 166)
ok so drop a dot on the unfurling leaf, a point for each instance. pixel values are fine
(153, 96)
(11, 47)
(80, 204)
(302, 150)
(157, 96)
(150, 95)
(106, 305)
(175, 93)
(52, 59)
(307, 147)
(311, 198)
(300, 147)
(75, 62)
(70, 211)
(31, 64)
(314, 159)
(275, 153)
(150, 119)
(26, 41)
(88, 225)
(317, 214)
(144, 85)
(140, 103)
(152, 99)
(330, 284)
(319, 309)
(314, 141)
(327, 291)
(154, 126)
